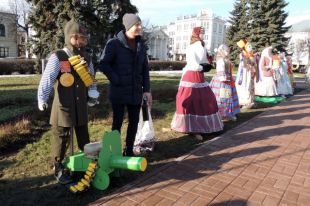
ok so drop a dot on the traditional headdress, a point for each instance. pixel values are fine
(196, 35)
(246, 47)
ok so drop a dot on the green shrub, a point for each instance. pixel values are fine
(166, 65)
(22, 66)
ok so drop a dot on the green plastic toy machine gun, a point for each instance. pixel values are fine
(101, 159)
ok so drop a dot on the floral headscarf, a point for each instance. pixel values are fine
(222, 51)
(196, 35)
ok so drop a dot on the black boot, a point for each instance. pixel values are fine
(128, 152)
(62, 175)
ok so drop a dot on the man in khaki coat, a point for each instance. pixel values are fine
(69, 108)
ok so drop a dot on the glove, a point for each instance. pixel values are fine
(206, 67)
(43, 106)
(93, 95)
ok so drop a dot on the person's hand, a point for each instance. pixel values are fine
(93, 95)
(42, 106)
(149, 98)
(206, 67)
(92, 102)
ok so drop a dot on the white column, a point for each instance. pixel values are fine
(154, 55)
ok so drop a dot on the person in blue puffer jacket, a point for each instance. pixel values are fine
(124, 61)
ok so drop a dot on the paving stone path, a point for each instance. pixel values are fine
(264, 161)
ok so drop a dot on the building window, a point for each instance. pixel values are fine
(214, 27)
(185, 27)
(170, 40)
(2, 30)
(4, 52)
(219, 41)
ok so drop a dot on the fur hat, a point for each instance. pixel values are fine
(129, 20)
(75, 27)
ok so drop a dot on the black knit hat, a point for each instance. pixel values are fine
(129, 20)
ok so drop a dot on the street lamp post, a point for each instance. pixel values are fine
(308, 63)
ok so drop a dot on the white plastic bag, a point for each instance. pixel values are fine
(307, 75)
(145, 137)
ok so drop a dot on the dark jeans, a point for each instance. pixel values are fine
(133, 120)
(61, 140)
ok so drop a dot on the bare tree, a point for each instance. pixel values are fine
(300, 49)
(21, 9)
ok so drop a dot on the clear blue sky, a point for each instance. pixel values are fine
(162, 12)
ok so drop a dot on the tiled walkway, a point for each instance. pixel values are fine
(265, 161)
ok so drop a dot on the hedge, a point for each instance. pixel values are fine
(166, 65)
(28, 66)
(21, 66)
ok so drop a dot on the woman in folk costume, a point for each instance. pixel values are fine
(223, 85)
(290, 72)
(283, 83)
(307, 75)
(246, 74)
(266, 86)
(196, 107)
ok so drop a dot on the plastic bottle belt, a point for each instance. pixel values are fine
(80, 66)
(85, 181)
